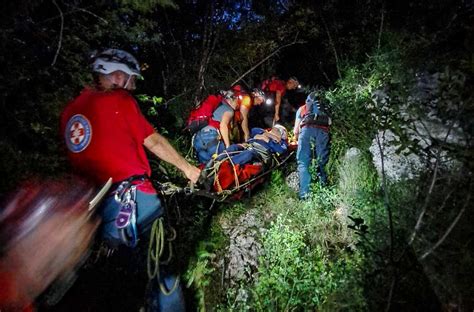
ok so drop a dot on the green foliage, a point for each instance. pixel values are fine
(199, 274)
(153, 101)
(293, 275)
(356, 113)
(146, 6)
(315, 254)
(306, 260)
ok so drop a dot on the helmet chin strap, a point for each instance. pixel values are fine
(128, 81)
(116, 83)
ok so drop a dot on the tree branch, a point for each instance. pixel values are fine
(381, 25)
(385, 192)
(176, 96)
(60, 33)
(295, 41)
(448, 231)
(425, 205)
(430, 190)
(8, 30)
(208, 45)
(103, 20)
(323, 72)
(236, 72)
(331, 42)
(283, 5)
(390, 294)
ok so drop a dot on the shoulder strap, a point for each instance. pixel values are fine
(303, 111)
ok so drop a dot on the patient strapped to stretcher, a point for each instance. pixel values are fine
(239, 163)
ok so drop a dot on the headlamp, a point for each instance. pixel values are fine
(268, 101)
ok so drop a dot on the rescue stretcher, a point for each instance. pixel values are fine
(222, 180)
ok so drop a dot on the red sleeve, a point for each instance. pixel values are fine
(278, 85)
(139, 126)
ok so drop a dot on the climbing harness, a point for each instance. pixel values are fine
(126, 221)
(159, 239)
(262, 152)
(316, 120)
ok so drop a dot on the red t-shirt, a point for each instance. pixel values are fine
(277, 85)
(104, 133)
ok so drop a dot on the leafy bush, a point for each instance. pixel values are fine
(295, 275)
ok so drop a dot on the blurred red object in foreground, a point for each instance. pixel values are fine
(45, 231)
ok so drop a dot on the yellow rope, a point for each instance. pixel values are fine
(217, 165)
(236, 177)
(155, 251)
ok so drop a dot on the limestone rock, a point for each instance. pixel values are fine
(244, 249)
(292, 180)
(426, 131)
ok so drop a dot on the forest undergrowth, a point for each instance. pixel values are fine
(357, 244)
(313, 254)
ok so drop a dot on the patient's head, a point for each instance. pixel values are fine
(280, 131)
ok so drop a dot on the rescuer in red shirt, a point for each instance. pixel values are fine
(106, 136)
(277, 88)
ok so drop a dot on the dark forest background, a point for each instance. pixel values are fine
(193, 48)
(346, 50)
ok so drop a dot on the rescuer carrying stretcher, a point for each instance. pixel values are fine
(106, 136)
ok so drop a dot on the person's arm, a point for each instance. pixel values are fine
(224, 127)
(244, 111)
(276, 118)
(159, 145)
(296, 129)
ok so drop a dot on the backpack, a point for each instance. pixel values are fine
(201, 115)
(321, 119)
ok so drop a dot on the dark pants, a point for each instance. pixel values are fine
(149, 208)
(238, 154)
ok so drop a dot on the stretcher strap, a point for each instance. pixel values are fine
(236, 177)
(216, 166)
(224, 194)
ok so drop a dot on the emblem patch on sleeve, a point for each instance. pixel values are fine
(78, 133)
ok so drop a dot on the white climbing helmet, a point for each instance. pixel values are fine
(256, 92)
(111, 60)
(282, 130)
(228, 94)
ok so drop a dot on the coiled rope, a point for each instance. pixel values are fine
(155, 251)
